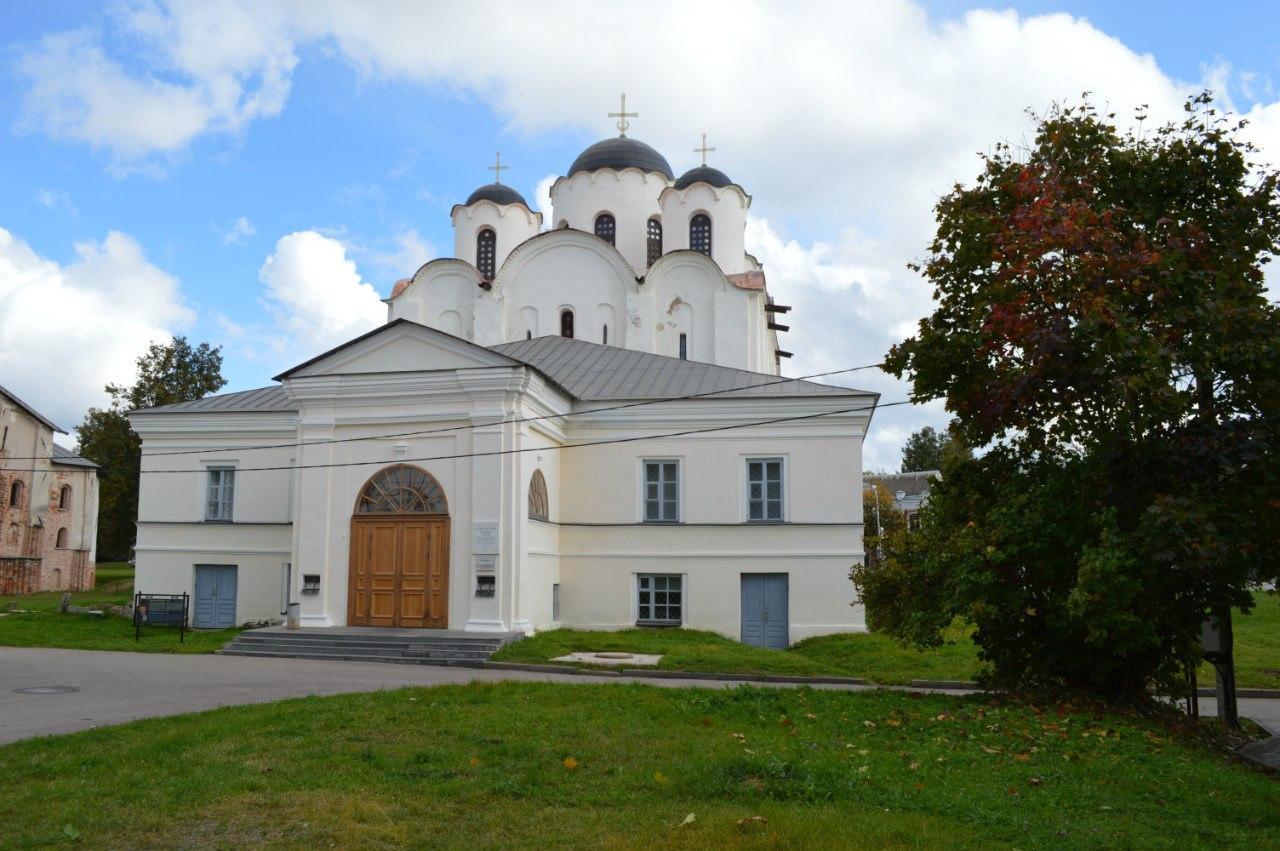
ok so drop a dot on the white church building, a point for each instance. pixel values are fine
(578, 423)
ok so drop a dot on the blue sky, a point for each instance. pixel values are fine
(202, 135)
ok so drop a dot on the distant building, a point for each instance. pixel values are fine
(910, 491)
(48, 505)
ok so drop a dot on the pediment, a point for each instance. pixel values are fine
(399, 346)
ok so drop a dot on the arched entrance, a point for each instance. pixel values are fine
(399, 574)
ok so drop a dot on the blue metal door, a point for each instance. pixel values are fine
(215, 596)
(765, 610)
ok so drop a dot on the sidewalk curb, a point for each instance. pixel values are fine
(1261, 693)
(656, 674)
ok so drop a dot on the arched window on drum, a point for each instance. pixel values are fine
(653, 241)
(700, 233)
(486, 252)
(606, 227)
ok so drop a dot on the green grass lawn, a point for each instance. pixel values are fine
(539, 765)
(32, 620)
(873, 657)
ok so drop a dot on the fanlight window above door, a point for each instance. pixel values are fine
(402, 490)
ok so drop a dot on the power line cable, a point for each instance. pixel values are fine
(499, 452)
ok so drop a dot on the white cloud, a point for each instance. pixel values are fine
(316, 295)
(66, 331)
(237, 231)
(410, 252)
(542, 199)
(58, 200)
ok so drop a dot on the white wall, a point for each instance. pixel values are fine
(173, 536)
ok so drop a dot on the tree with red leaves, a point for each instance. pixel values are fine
(1103, 330)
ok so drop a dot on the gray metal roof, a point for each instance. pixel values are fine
(916, 483)
(69, 458)
(592, 372)
(703, 174)
(32, 411)
(261, 399)
(498, 193)
(588, 372)
(618, 154)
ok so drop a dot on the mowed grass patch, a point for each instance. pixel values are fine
(874, 657)
(681, 650)
(530, 765)
(32, 620)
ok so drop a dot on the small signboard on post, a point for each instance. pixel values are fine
(161, 610)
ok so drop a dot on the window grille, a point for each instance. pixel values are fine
(486, 252)
(764, 489)
(606, 227)
(662, 492)
(402, 489)
(660, 598)
(654, 241)
(700, 233)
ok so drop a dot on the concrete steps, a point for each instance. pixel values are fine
(367, 644)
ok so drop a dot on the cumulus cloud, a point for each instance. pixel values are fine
(316, 295)
(68, 330)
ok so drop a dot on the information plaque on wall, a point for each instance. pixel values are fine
(486, 563)
(484, 538)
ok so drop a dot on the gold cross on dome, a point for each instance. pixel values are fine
(622, 116)
(704, 150)
(497, 167)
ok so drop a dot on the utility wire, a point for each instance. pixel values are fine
(514, 421)
(498, 452)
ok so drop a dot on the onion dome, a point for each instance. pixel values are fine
(621, 153)
(704, 174)
(498, 193)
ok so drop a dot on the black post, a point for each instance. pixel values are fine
(1193, 693)
(137, 624)
(1226, 675)
(182, 628)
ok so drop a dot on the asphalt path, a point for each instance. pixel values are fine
(45, 691)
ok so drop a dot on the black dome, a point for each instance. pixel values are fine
(704, 174)
(621, 153)
(498, 194)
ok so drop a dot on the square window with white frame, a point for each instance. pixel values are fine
(764, 490)
(660, 599)
(661, 491)
(220, 494)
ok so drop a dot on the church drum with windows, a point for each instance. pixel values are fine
(585, 427)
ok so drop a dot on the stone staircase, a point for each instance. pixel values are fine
(372, 644)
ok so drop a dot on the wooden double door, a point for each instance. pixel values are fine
(399, 572)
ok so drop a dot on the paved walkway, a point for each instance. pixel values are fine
(82, 689)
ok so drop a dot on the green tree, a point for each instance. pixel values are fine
(930, 449)
(1102, 325)
(167, 373)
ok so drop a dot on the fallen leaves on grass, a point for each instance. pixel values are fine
(570, 763)
(688, 820)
